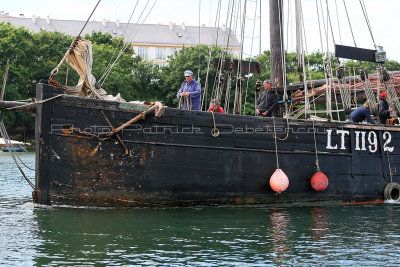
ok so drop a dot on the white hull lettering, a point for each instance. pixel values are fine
(360, 140)
(373, 142)
(329, 141)
(387, 137)
(342, 132)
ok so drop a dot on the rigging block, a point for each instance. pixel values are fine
(233, 65)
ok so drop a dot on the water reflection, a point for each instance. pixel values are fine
(151, 236)
(279, 234)
(320, 219)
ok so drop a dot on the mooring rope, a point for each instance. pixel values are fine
(287, 130)
(11, 150)
(34, 103)
(215, 130)
(276, 146)
(388, 159)
(316, 150)
(186, 101)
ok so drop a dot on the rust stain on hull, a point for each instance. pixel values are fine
(95, 149)
(144, 155)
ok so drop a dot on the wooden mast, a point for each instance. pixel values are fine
(276, 39)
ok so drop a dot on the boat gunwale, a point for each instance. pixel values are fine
(116, 106)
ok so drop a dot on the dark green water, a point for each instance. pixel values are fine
(295, 235)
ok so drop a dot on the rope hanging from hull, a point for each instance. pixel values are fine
(315, 147)
(10, 147)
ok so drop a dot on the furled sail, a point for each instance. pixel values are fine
(80, 58)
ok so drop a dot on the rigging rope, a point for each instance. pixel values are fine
(219, 78)
(337, 18)
(308, 59)
(239, 79)
(364, 9)
(119, 42)
(300, 21)
(393, 100)
(126, 45)
(348, 19)
(238, 72)
(344, 90)
(329, 19)
(281, 33)
(327, 92)
(251, 56)
(229, 83)
(373, 106)
(55, 71)
(204, 98)
(329, 62)
(258, 83)
(228, 92)
(355, 89)
(198, 69)
(89, 18)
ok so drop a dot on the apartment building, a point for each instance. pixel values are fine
(153, 42)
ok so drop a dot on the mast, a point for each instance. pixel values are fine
(276, 40)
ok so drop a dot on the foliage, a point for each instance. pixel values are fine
(32, 56)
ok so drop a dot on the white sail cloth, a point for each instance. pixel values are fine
(80, 58)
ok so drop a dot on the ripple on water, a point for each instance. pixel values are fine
(68, 235)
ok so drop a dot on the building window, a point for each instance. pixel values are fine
(142, 52)
(172, 51)
(160, 53)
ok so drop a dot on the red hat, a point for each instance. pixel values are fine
(383, 95)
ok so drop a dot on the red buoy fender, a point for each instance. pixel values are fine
(319, 181)
(279, 182)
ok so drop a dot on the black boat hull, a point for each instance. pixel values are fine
(175, 161)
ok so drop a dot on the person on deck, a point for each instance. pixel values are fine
(215, 107)
(384, 109)
(267, 102)
(190, 92)
(361, 113)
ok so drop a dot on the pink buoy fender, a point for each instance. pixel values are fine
(319, 181)
(279, 182)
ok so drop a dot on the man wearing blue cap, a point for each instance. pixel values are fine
(190, 92)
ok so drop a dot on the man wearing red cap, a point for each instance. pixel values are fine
(384, 109)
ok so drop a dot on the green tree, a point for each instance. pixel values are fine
(33, 56)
